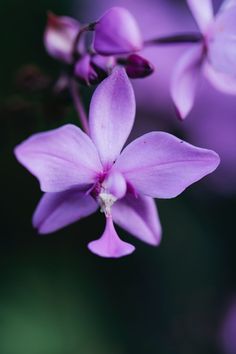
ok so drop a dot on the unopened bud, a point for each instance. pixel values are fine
(117, 33)
(59, 37)
(138, 67)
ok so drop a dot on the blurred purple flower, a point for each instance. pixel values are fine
(228, 330)
(156, 165)
(215, 56)
(59, 37)
(117, 32)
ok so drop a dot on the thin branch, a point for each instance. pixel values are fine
(181, 38)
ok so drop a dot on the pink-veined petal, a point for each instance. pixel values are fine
(184, 80)
(221, 81)
(60, 159)
(139, 216)
(59, 37)
(162, 166)
(111, 115)
(57, 210)
(202, 11)
(109, 245)
(117, 33)
(221, 43)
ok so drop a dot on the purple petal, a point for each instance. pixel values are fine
(111, 115)
(59, 37)
(184, 80)
(110, 245)
(138, 216)
(117, 33)
(227, 4)
(222, 43)
(202, 11)
(103, 63)
(219, 80)
(160, 165)
(60, 159)
(57, 210)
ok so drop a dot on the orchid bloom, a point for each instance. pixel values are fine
(215, 56)
(82, 173)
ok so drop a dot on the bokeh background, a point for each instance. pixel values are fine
(58, 298)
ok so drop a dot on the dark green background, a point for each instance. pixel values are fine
(58, 298)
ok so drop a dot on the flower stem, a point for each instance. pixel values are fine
(87, 28)
(79, 106)
(175, 39)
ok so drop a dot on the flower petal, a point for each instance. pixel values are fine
(222, 43)
(160, 165)
(219, 80)
(139, 216)
(117, 33)
(57, 210)
(59, 37)
(202, 11)
(111, 115)
(184, 80)
(110, 245)
(227, 4)
(60, 159)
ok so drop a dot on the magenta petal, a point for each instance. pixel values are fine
(202, 11)
(117, 33)
(139, 216)
(57, 210)
(222, 43)
(160, 165)
(184, 80)
(111, 115)
(59, 37)
(110, 245)
(60, 159)
(222, 82)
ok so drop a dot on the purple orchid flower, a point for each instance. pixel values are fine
(215, 56)
(81, 173)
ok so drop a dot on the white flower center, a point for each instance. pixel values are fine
(106, 200)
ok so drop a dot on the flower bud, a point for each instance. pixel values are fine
(117, 33)
(59, 37)
(85, 72)
(138, 67)
(92, 69)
